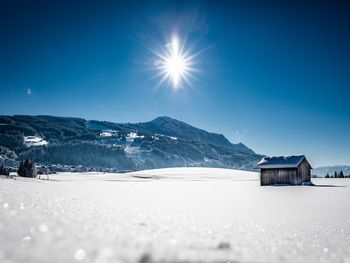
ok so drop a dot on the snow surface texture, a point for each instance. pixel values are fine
(172, 215)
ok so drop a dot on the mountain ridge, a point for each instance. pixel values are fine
(161, 142)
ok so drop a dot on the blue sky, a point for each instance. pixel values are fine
(273, 75)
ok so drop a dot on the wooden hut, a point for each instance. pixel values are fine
(293, 170)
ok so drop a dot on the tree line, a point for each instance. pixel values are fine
(337, 175)
(86, 154)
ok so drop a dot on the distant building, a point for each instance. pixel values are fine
(293, 170)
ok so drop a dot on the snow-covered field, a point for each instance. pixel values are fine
(173, 215)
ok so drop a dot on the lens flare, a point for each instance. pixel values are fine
(174, 64)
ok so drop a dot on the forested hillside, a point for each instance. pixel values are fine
(163, 142)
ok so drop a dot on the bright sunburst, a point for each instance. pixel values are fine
(174, 63)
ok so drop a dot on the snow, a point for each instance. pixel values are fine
(291, 161)
(109, 133)
(106, 134)
(172, 215)
(30, 141)
(133, 152)
(156, 137)
(130, 137)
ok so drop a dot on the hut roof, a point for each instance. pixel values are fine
(275, 162)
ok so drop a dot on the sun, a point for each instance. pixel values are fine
(174, 63)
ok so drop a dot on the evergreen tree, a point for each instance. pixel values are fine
(4, 171)
(335, 174)
(27, 168)
(341, 175)
(327, 176)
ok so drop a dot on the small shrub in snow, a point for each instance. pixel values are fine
(4, 171)
(224, 245)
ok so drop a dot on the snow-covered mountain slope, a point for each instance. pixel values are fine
(162, 142)
(172, 127)
(172, 215)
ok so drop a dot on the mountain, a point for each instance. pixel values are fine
(162, 142)
(324, 170)
(174, 128)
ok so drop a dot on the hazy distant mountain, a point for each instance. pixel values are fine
(162, 142)
(322, 171)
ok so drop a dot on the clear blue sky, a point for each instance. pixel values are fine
(273, 75)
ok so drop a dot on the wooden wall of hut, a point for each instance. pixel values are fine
(280, 176)
(304, 171)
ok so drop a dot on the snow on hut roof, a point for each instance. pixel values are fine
(292, 161)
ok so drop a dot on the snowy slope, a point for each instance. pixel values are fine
(172, 215)
(30, 141)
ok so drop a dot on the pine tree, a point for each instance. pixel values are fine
(327, 176)
(4, 171)
(27, 168)
(335, 174)
(341, 175)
